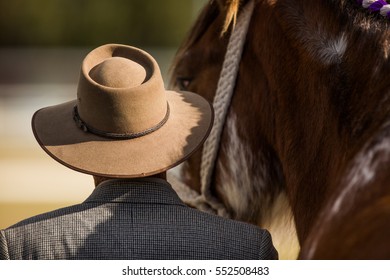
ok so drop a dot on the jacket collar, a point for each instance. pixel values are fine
(140, 190)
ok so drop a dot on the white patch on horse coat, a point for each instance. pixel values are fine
(359, 176)
(332, 51)
(361, 173)
(236, 171)
(238, 188)
(324, 47)
(318, 42)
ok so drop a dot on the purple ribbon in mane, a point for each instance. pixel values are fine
(376, 6)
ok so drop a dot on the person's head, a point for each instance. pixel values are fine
(123, 124)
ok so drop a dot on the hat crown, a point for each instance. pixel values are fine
(121, 91)
(118, 72)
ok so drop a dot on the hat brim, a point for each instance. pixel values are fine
(188, 126)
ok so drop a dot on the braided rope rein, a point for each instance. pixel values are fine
(376, 6)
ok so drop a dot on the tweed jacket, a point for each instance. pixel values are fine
(133, 219)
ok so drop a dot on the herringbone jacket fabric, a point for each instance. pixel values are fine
(138, 219)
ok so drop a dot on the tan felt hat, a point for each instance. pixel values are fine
(124, 123)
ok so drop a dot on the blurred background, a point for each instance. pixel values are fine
(42, 45)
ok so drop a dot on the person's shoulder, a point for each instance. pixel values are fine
(253, 235)
(227, 222)
(239, 233)
(4, 255)
(44, 217)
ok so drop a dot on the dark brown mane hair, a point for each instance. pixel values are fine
(203, 21)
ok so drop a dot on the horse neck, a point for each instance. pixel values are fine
(326, 93)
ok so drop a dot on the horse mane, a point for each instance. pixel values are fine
(206, 17)
(232, 7)
(208, 14)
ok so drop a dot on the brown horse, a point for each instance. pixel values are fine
(308, 126)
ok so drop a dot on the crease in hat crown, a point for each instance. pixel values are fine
(121, 91)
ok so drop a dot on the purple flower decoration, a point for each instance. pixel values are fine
(380, 6)
(377, 5)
